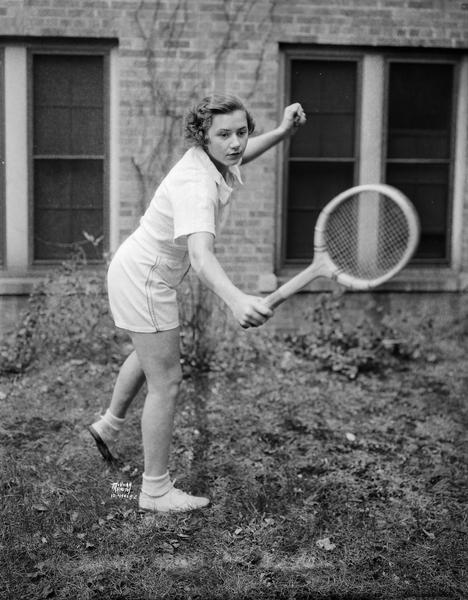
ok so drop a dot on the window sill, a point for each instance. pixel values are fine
(22, 283)
(410, 280)
(17, 286)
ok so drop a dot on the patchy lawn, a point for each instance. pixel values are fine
(335, 458)
(323, 486)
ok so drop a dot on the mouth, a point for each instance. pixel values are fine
(235, 154)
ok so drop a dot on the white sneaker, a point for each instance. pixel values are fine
(174, 500)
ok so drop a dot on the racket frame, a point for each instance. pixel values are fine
(323, 265)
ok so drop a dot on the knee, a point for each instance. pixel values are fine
(168, 384)
(174, 379)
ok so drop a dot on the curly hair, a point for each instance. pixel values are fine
(200, 117)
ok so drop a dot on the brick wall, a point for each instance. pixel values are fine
(173, 51)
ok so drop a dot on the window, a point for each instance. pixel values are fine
(372, 116)
(323, 153)
(59, 156)
(419, 147)
(2, 166)
(68, 154)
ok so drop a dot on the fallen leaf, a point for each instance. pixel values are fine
(430, 535)
(325, 544)
(47, 591)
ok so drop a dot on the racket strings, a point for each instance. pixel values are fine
(367, 236)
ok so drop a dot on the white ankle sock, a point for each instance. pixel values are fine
(112, 420)
(156, 486)
(109, 425)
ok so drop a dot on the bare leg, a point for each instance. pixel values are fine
(159, 356)
(129, 381)
(105, 430)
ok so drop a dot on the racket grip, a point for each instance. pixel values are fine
(275, 299)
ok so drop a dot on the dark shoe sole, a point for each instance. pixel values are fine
(102, 446)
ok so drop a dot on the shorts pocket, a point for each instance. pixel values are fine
(171, 273)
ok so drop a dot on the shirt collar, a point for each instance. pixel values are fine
(233, 174)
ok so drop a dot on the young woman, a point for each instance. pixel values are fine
(176, 232)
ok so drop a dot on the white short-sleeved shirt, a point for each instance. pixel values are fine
(151, 263)
(192, 198)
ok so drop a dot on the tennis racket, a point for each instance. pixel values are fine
(362, 238)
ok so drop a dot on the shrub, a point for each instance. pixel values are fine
(371, 344)
(67, 316)
(211, 340)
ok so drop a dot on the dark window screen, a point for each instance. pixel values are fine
(419, 147)
(68, 153)
(322, 153)
(2, 163)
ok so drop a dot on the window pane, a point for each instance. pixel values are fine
(51, 238)
(2, 164)
(68, 184)
(87, 87)
(426, 186)
(300, 240)
(322, 153)
(420, 96)
(87, 131)
(68, 121)
(68, 104)
(327, 92)
(52, 127)
(51, 81)
(52, 184)
(57, 227)
(419, 110)
(419, 146)
(68, 201)
(89, 221)
(87, 184)
(311, 186)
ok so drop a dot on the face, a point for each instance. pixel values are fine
(227, 139)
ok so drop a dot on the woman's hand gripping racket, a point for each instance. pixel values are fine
(362, 238)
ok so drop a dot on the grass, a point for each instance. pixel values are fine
(323, 486)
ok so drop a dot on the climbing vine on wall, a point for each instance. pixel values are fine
(182, 62)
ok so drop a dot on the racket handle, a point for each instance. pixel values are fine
(291, 287)
(275, 299)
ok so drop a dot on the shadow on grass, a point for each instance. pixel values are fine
(322, 488)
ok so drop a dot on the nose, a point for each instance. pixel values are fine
(235, 142)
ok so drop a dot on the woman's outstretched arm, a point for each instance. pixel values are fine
(293, 118)
(250, 311)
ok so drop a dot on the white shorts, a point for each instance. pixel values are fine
(141, 288)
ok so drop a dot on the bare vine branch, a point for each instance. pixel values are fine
(160, 114)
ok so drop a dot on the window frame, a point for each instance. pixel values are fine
(418, 57)
(417, 276)
(64, 49)
(3, 248)
(289, 55)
